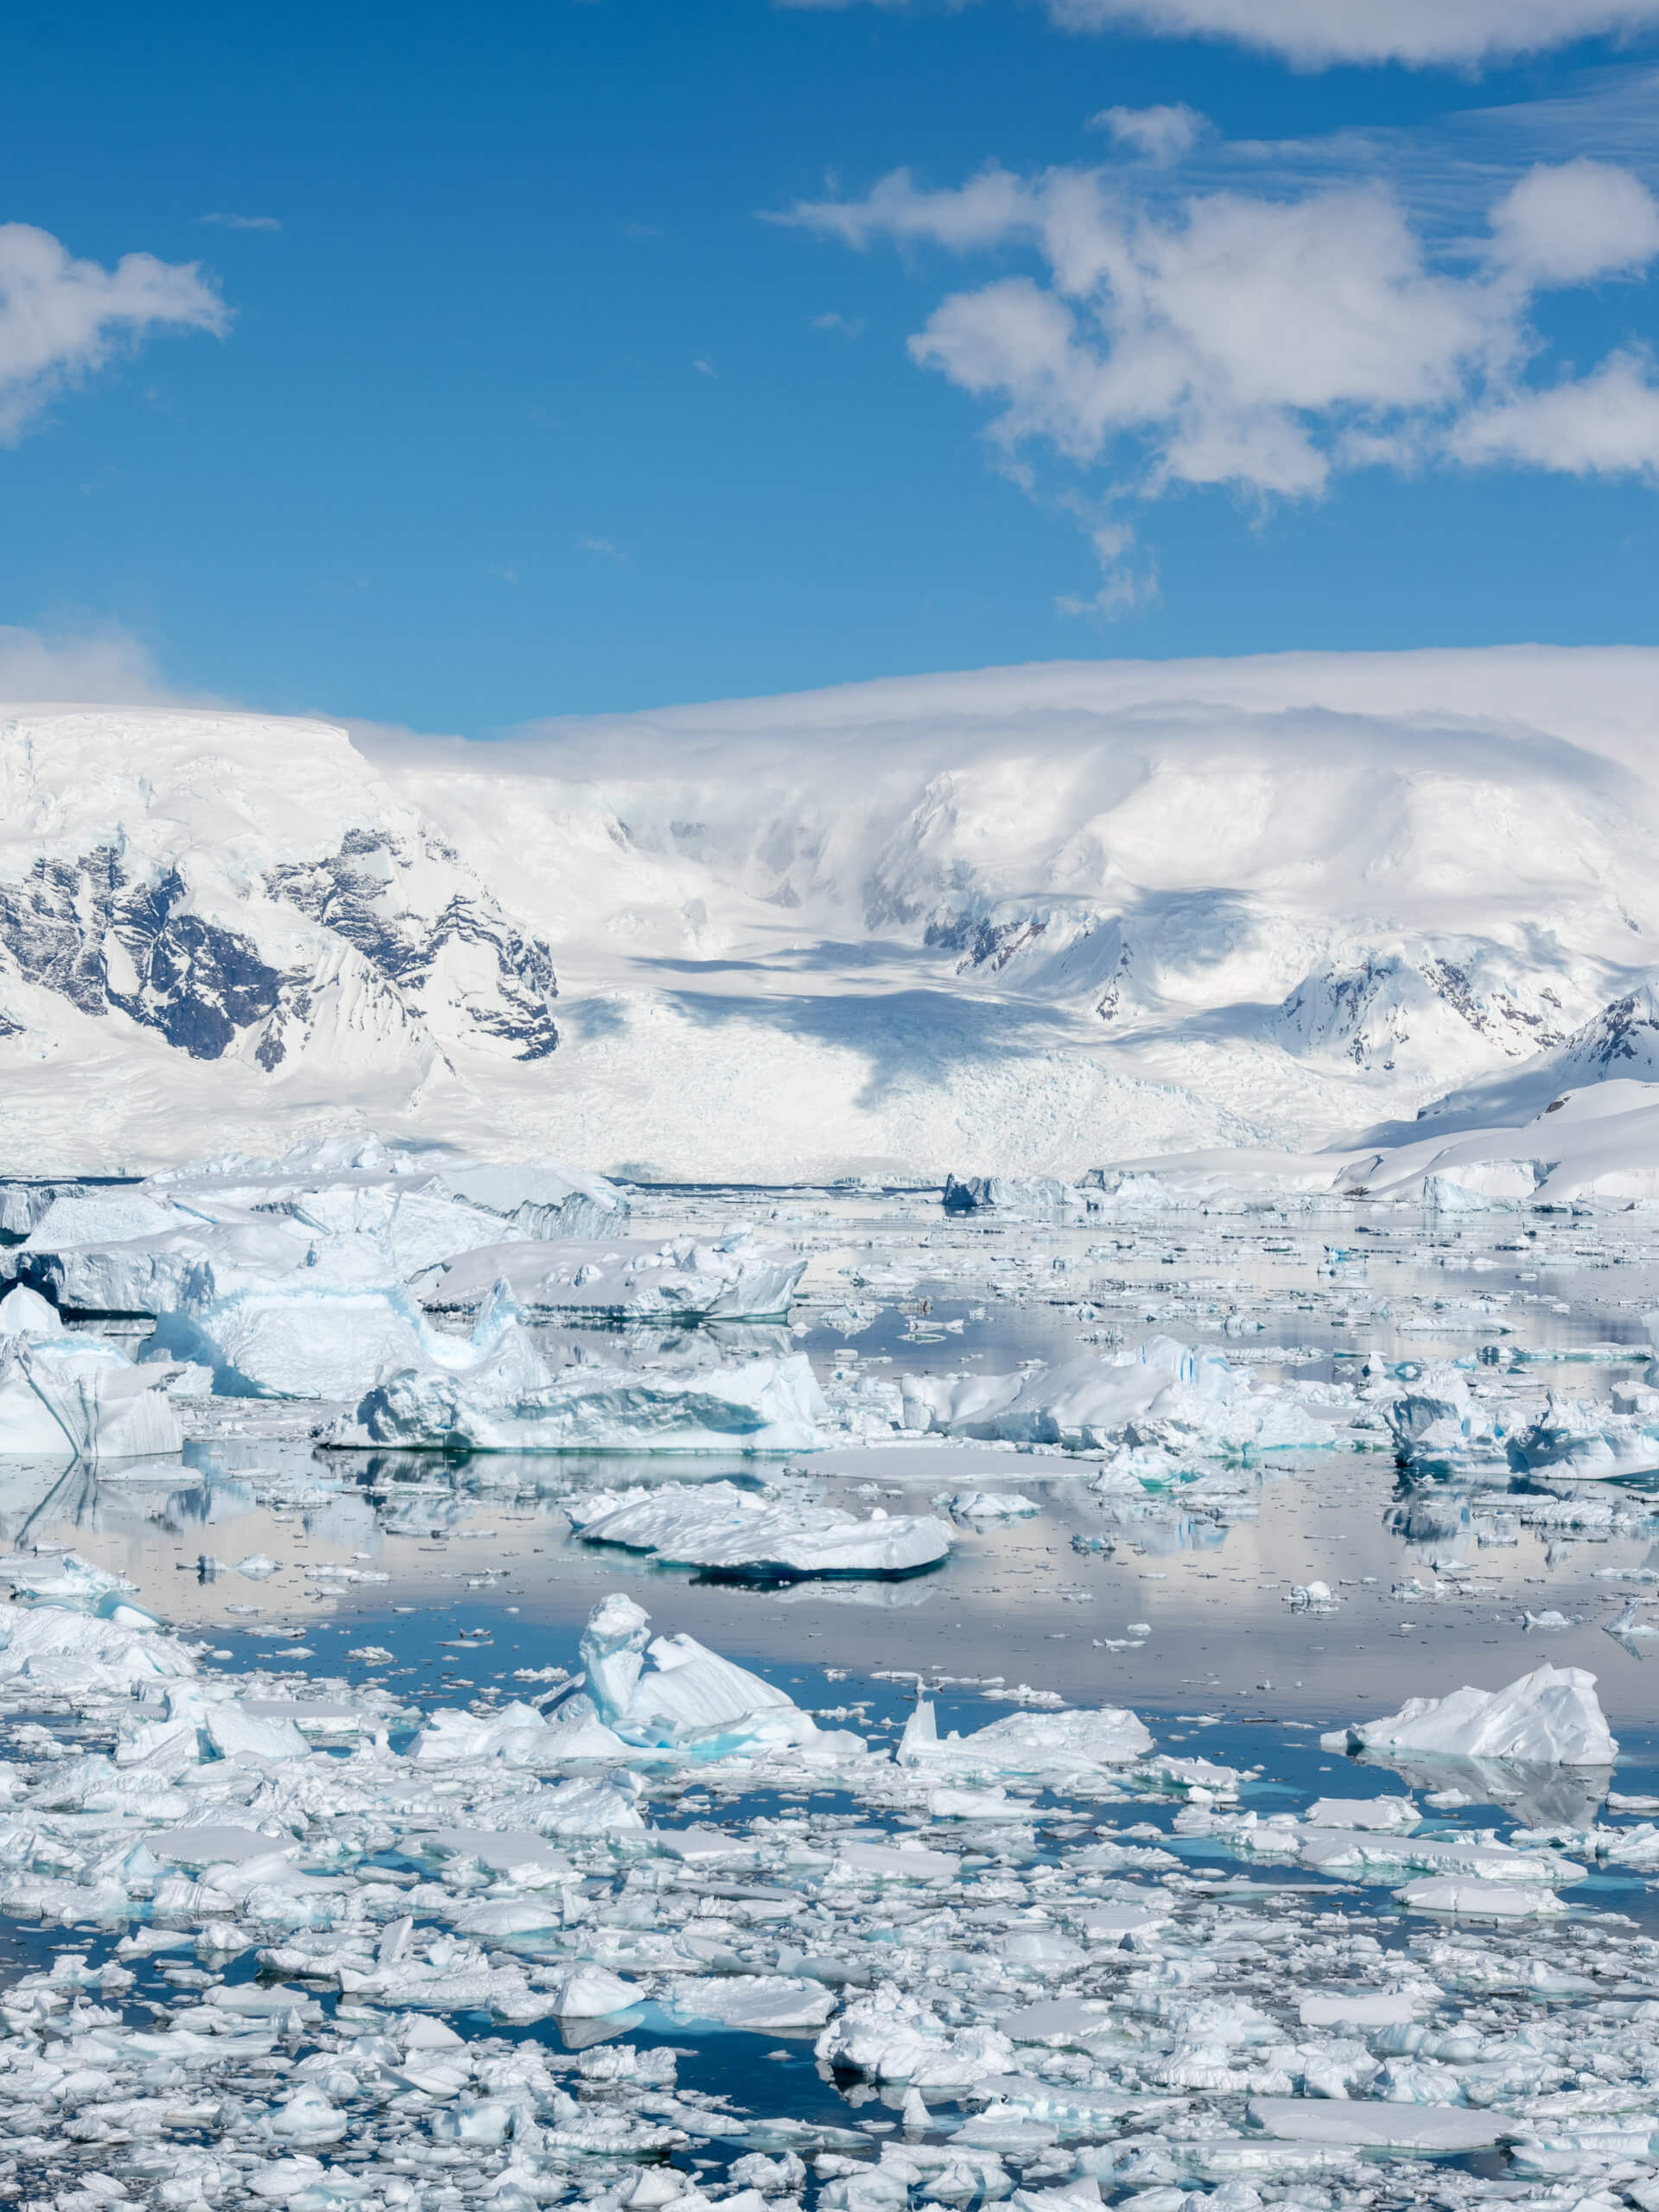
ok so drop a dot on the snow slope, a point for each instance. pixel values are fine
(1030, 919)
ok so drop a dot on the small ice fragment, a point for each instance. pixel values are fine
(256, 1566)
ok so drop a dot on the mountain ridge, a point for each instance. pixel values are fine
(1023, 918)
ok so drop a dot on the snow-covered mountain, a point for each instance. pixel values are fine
(1028, 918)
(230, 922)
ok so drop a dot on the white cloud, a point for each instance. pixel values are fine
(61, 319)
(1160, 134)
(242, 222)
(1266, 341)
(1315, 33)
(600, 545)
(1575, 223)
(1603, 424)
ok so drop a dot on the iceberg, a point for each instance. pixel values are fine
(510, 1401)
(1549, 1717)
(1164, 1394)
(725, 1530)
(1028, 1744)
(66, 1394)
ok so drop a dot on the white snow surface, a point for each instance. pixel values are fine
(1020, 920)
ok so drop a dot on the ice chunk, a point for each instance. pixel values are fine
(1549, 1717)
(894, 2036)
(1481, 1900)
(726, 1530)
(671, 1693)
(73, 1396)
(24, 1313)
(1382, 1813)
(992, 1505)
(54, 1647)
(1031, 1744)
(590, 1993)
(1363, 2008)
(767, 2004)
(1445, 2129)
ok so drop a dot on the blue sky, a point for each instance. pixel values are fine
(505, 391)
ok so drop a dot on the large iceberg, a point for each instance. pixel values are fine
(1551, 1717)
(728, 1531)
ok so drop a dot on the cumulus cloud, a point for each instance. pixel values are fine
(1575, 223)
(1267, 339)
(61, 319)
(1315, 33)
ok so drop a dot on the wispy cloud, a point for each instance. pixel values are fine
(705, 368)
(845, 325)
(61, 319)
(241, 222)
(602, 545)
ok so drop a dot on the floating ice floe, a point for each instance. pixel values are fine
(989, 1505)
(1549, 1717)
(732, 1278)
(726, 1530)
